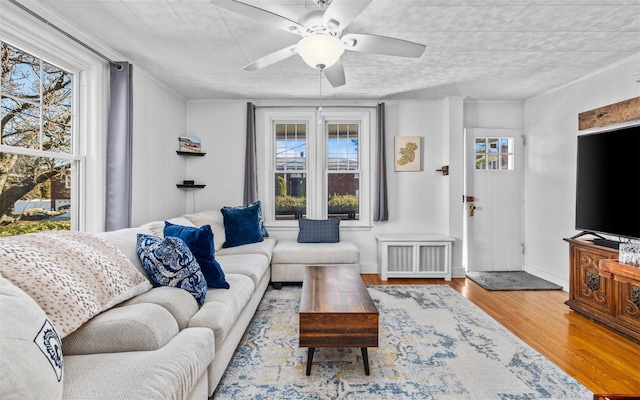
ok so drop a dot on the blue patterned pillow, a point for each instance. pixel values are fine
(169, 262)
(263, 229)
(200, 242)
(319, 230)
(241, 225)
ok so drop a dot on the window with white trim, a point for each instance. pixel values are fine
(494, 153)
(39, 162)
(318, 166)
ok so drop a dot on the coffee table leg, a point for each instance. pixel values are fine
(310, 359)
(365, 360)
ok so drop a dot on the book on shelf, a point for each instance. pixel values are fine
(189, 144)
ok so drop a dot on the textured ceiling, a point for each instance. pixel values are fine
(480, 49)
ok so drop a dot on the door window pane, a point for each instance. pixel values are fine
(494, 153)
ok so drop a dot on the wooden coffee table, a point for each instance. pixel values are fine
(336, 311)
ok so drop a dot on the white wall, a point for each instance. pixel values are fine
(159, 118)
(416, 199)
(551, 128)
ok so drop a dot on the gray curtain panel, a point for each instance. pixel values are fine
(250, 168)
(118, 200)
(380, 206)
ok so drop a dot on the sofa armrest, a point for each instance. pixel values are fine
(129, 328)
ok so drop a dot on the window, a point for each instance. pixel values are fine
(38, 162)
(318, 166)
(494, 153)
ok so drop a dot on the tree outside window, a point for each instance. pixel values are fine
(37, 157)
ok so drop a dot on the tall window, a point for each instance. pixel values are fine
(317, 168)
(343, 170)
(38, 160)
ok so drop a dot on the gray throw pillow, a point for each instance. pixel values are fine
(319, 230)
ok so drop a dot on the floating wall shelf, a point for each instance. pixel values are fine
(189, 153)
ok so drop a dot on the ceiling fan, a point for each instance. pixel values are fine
(323, 42)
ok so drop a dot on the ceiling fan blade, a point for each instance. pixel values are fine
(261, 15)
(342, 12)
(272, 58)
(382, 45)
(335, 74)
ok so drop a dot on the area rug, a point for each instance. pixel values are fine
(511, 280)
(433, 344)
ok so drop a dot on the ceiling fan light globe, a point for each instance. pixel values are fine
(320, 51)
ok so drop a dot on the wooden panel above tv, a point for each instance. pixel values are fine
(623, 111)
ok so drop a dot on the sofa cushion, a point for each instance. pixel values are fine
(292, 252)
(29, 346)
(72, 275)
(171, 372)
(200, 242)
(252, 265)
(135, 327)
(319, 230)
(169, 262)
(263, 229)
(223, 307)
(126, 241)
(180, 303)
(156, 227)
(265, 248)
(213, 218)
(241, 226)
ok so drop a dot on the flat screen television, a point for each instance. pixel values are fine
(608, 183)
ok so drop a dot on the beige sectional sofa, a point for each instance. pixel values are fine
(143, 342)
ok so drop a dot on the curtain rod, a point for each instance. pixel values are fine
(45, 21)
(311, 105)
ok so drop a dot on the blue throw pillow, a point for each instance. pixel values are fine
(319, 230)
(241, 225)
(200, 242)
(263, 229)
(169, 262)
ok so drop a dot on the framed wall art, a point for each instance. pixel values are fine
(406, 156)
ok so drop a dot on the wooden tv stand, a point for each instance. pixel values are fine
(602, 289)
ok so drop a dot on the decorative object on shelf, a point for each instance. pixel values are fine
(189, 144)
(407, 151)
(629, 254)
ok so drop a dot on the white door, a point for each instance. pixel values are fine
(493, 188)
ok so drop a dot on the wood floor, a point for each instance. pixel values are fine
(600, 359)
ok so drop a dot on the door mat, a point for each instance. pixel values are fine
(511, 280)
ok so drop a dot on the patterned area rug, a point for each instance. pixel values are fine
(433, 344)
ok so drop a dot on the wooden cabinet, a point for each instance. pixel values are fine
(414, 256)
(601, 293)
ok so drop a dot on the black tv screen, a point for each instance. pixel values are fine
(608, 183)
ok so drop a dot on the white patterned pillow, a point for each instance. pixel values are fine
(169, 262)
(29, 346)
(73, 276)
